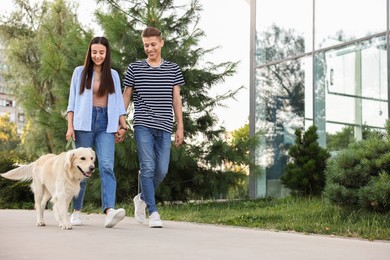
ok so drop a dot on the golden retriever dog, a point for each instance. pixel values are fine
(57, 177)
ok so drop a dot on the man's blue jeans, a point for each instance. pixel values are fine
(154, 148)
(104, 146)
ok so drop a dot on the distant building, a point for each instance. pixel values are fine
(8, 103)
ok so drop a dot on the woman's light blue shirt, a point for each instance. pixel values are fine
(81, 105)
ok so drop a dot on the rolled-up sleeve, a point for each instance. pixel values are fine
(74, 86)
(116, 106)
(81, 105)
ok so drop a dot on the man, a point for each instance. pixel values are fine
(154, 84)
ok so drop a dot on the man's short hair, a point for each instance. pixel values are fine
(151, 32)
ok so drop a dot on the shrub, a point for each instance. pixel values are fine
(358, 177)
(13, 193)
(304, 175)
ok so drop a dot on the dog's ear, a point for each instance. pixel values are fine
(68, 160)
(94, 154)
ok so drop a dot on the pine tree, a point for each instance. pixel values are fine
(45, 42)
(196, 167)
(358, 177)
(305, 174)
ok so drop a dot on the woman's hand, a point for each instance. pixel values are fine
(70, 134)
(120, 135)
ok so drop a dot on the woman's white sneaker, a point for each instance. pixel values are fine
(114, 216)
(139, 209)
(155, 221)
(75, 218)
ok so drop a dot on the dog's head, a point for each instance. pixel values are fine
(80, 162)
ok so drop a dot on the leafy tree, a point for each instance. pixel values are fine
(8, 134)
(305, 174)
(11, 192)
(240, 142)
(282, 83)
(44, 42)
(280, 94)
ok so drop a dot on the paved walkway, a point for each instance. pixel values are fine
(21, 239)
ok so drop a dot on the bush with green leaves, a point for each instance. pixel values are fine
(304, 175)
(358, 177)
(13, 194)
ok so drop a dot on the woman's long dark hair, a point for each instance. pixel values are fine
(106, 83)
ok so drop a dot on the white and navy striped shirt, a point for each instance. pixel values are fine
(153, 93)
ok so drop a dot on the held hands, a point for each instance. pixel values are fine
(120, 134)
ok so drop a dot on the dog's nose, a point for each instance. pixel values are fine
(91, 168)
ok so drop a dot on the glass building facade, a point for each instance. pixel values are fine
(321, 62)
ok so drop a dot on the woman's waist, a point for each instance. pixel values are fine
(99, 109)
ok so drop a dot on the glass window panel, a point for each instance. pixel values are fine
(280, 94)
(351, 87)
(342, 21)
(340, 137)
(284, 29)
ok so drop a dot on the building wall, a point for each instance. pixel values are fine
(8, 105)
(322, 62)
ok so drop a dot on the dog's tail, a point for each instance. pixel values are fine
(22, 173)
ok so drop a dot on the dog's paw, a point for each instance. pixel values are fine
(41, 224)
(66, 226)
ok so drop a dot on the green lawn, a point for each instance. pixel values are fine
(311, 216)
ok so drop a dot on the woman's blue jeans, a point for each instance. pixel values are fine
(104, 146)
(154, 148)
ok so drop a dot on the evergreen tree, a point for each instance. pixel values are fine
(304, 175)
(44, 43)
(358, 177)
(196, 167)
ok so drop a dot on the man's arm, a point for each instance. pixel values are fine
(127, 95)
(177, 108)
(122, 128)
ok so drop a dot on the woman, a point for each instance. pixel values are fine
(96, 118)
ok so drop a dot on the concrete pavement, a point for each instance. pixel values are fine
(21, 239)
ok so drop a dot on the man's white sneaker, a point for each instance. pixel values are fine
(75, 218)
(139, 209)
(114, 216)
(155, 221)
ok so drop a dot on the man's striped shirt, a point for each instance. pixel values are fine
(153, 93)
